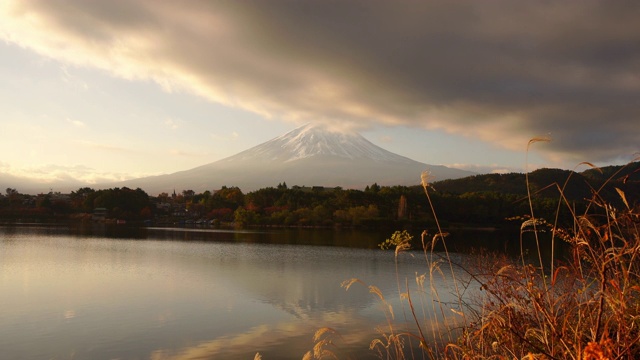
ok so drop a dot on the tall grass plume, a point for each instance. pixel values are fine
(582, 306)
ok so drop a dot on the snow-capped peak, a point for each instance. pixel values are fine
(315, 140)
(307, 156)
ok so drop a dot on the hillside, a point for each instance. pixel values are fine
(547, 182)
(307, 156)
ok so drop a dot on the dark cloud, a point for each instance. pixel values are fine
(502, 71)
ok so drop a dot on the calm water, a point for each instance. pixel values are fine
(121, 293)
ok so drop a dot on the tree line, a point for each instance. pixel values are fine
(484, 200)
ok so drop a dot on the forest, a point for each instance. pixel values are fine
(481, 201)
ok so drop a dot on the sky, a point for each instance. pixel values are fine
(96, 91)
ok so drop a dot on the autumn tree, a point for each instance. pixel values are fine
(227, 197)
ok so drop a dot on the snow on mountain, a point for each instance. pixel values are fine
(307, 156)
(313, 140)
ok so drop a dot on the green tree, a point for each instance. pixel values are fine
(14, 197)
(244, 217)
(78, 199)
(356, 214)
(122, 203)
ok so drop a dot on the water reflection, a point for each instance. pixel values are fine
(212, 294)
(322, 237)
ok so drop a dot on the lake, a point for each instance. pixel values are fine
(113, 292)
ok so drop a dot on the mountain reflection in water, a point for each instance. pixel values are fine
(190, 293)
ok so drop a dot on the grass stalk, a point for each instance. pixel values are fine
(582, 307)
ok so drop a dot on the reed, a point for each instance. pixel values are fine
(584, 307)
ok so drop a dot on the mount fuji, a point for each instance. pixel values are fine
(307, 156)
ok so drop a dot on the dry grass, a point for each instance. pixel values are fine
(583, 307)
(327, 345)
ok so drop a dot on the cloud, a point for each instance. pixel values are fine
(4, 166)
(76, 123)
(49, 173)
(491, 169)
(230, 137)
(173, 124)
(102, 146)
(75, 81)
(499, 71)
(290, 337)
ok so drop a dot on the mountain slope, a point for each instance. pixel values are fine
(306, 156)
(309, 141)
(548, 182)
